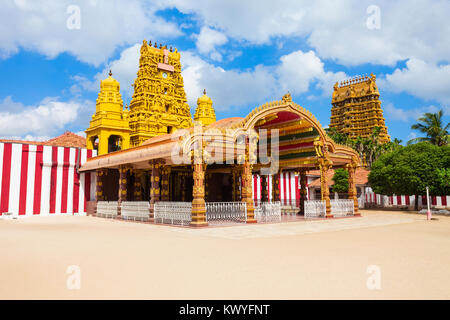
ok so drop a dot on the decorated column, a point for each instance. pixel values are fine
(276, 187)
(137, 185)
(154, 186)
(99, 186)
(236, 192)
(247, 194)
(324, 166)
(165, 174)
(303, 192)
(352, 193)
(198, 192)
(264, 193)
(183, 177)
(122, 196)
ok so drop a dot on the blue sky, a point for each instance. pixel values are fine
(54, 53)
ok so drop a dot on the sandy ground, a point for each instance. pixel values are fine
(295, 260)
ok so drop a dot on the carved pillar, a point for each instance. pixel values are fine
(324, 189)
(352, 193)
(236, 192)
(183, 177)
(99, 185)
(207, 177)
(154, 186)
(137, 185)
(247, 195)
(122, 194)
(264, 193)
(198, 193)
(303, 192)
(165, 174)
(276, 187)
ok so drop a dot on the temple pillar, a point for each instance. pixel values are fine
(122, 194)
(303, 191)
(276, 187)
(137, 185)
(324, 189)
(154, 187)
(236, 191)
(198, 194)
(99, 185)
(352, 193)
(247, 195)
(264, 193)
(183, 177)
(165, 174)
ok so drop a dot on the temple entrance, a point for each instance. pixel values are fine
(219, 187)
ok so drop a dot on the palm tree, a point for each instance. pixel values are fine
(431, 125)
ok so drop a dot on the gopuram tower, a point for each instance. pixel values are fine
(159, 103)
(357, 108)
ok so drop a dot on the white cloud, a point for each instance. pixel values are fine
(337, 30)
(295, 73)
(124, 70)
(207, 41)
(43, 120)
(104, 25)
(408, 115)
(420, 79)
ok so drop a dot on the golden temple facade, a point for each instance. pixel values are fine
(158, 105)
(356, 108)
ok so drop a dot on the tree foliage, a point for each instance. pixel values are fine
(368, 148)
(340, 179)
(431, 124)
(409, 170)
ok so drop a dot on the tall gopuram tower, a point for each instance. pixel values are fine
(108, 130)
(205, 113)
(357, 108)
(159, 103)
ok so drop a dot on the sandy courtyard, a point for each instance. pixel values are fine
(296, 260)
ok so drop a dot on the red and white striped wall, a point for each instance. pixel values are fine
(289, 188)
(402, 200)
(43, 180)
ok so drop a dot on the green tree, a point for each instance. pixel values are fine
(409, 170)
(431, 124)
(340, 179)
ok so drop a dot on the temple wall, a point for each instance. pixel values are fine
(43, 180)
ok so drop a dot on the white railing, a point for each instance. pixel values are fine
(268, 212)
(173, 212)
(136, 210)
(315, 208)
(107, 209)
(222, 212)
(342, 207)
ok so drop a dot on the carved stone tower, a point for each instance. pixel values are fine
(357, 109)
(205, 112)
(108, 130)
(159, 104)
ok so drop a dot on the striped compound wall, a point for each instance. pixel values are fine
(43, 180)
(289, 188)
(409, 201)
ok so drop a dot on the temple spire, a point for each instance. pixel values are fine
(205, 113)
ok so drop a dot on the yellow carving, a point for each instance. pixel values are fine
(357, 109)
(205, 113)
(109, 119)
(158, 105)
